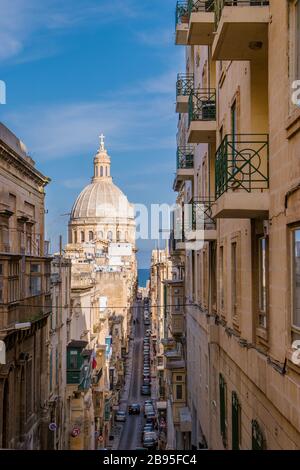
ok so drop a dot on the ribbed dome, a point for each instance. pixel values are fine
(102, 198)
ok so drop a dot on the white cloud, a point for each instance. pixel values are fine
(22, 21)
(74, 183)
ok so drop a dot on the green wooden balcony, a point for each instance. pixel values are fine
(184, 87)
(202, 116)
(241, 30)
(242, 175)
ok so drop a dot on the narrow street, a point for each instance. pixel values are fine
(131, 432)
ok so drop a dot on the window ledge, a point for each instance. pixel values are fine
(293, 123)
(262, 333)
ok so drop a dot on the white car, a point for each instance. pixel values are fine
(121, 416)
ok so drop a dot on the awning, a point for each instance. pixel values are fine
(185, 419)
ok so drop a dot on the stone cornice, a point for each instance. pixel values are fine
(18, 162)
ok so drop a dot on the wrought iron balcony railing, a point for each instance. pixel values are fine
(200, 5)
(202, 214)
(242, 163)
(181, 12)
(202, 105)
(220, 4)
(185, 157)
(184, 84)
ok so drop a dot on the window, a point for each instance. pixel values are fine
(82, 237)
(236, 422)
(100, 235)
(223, 409)
(119, 236)
(262, 281)
(296, 283)
(35, 279)
(297, 42)
(213, 274)
(109, 235)
(56, 367)
(179, 392)
(222, 299)
(28, 238)
(51, 372)
(233, 132)
(101, 170)
(29, 389)
(91, 236)
(13, 281)
(234, 269)
(75, 236)
(258, 440)
(1, 284)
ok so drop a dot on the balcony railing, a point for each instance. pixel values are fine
(185, 157)
(202, 214)
(200, 5)
(202, 105)
(242, 163)
(184, 84)
(181, 13)
(220, 4)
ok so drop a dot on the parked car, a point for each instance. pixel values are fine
(152, 415)
(120, 416)
(148, 409)
(145, 390)
(134, 409)
(149, 442)
(148, 402)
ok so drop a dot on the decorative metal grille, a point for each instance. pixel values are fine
(185, 157)
(184, 84)
(202, 105)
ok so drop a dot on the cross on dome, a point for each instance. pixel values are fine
(102, 146)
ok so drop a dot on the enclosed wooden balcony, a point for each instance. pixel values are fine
(202, 116)
(241, 30)
(201, 22)
(242, 177)
(184, 87)
(185, 165)
(181, 23)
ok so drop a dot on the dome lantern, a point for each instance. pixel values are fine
(101, 162)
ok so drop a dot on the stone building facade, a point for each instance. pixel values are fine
(238, 182)
(25, 298)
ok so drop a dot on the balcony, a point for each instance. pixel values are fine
(184, 87)
(202, 116)
(201, 22)
(242, 177)
(181, 23)
(185, 165)
(241, 30)
(177, 323)
(202, 226)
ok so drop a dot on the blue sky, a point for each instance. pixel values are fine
(76, 68)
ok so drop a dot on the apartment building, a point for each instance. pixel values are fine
(238, 188)
(25, 298)
(58, 339)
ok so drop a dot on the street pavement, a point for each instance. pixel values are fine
(129, 437)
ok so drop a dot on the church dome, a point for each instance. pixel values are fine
(102, 199)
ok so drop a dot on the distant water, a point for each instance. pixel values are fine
(143, 275)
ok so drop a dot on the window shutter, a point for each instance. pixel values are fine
(236, 414)
(223, 428)
(258, 440)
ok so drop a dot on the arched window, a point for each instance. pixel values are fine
(101, 170)
(91, 235)
(126, 236)
(100, 235)
(96, 171)
(106, 171)
(118, 236)
(74, 236)
(82, 236)
(109, 235)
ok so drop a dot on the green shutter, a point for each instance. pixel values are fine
(236, 420)
(223, 411)
(258, 440)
